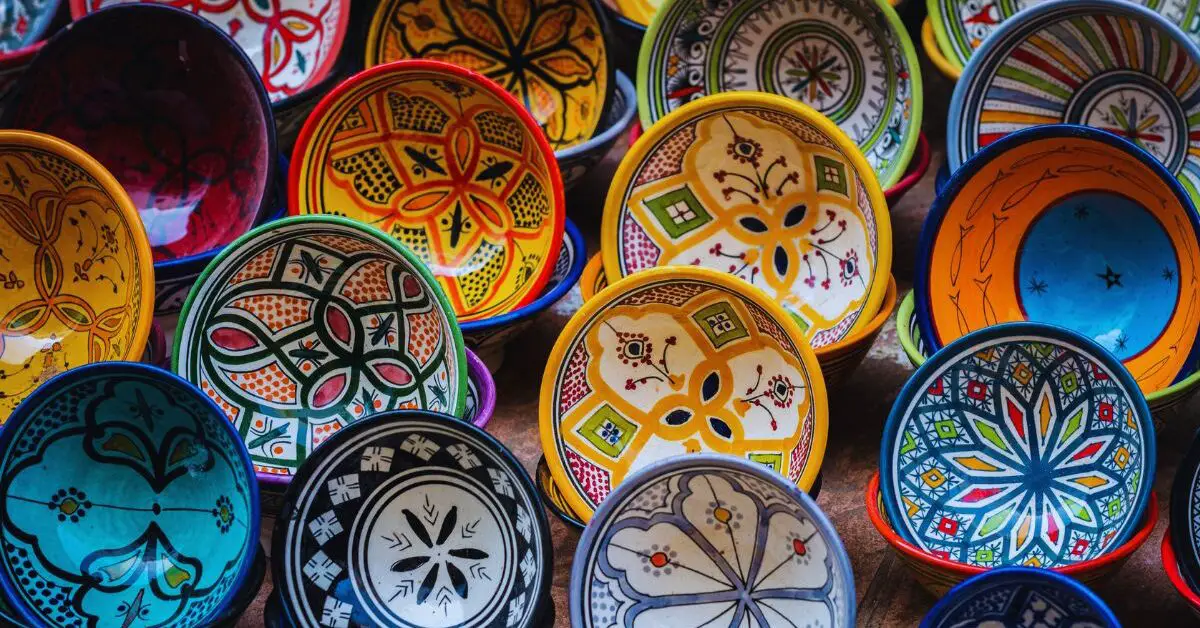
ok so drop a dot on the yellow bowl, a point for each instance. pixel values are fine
(593, 279)
(77, 276)
(939, 60)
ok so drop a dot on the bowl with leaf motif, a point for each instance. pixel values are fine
(1175, 574)
(1011, 596)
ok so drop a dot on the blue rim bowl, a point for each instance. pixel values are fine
(983, 590)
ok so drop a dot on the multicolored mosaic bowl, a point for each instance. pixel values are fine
(930, 46)
(678, 360)
(413, 519)
(576, 161)
(1020, 596)
(1175, 574)
(448, 163)
(938, 575)
(685, 538)
(75, 266)
(1185, 514)
(307, 324)
(480, 402)
(125, 486)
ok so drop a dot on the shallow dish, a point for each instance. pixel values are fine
(1014, 596)
(76, 266)
(25, 23)
(408, 519)
(124, 485)
(1185, 514)
(1020, 444)
(576, 161)
(685, 538)
(449, 164)
(1175, 574)
(1071, 226)
(480, 402)
(307, 324)
(851, 60)
(764, 188)
(678, 360)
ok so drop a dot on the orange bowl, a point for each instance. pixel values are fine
(1172, 568)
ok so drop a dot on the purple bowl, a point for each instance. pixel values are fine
(481, 392)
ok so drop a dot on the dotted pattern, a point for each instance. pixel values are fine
(594, 480)
(416, 113)
(374, 178)
(277, 312)
(229, 409)
(342, 244)
(501, 130)
(269, 383)
(417, 240)
(368, 283)
(637, 245)
(800, 453)
(63, 170)
(258, 267)
(575, 385)
(768, 326)
(668, 159)
(529, 203)
(674, 295)
(352, 121)
(423, 336)
(50, 600)
(475, 285)
(798, 127)
(51, 417)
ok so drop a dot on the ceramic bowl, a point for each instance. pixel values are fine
(1185, 514)
(764, 188)
(247, 592)
(1019, 444)
(1071, 226)
(489, 337)
(295, 330)
(576, 161)
(1016, 596)
(593, 279)
(930, 46)
(449, 164)
(625, 37)
(110, 467)
(685, 537)
(75, 265)
(480, 402)
(850, 60)
(408, 519)
(1175, 574)
(938, 575)
(25, 24)
(678, 360)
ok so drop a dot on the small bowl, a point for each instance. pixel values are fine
(938, 575)
(593, 280)
(576, 161)
(1010, 596)
(408, 519)
(293, 331)
(480, 402)
(70, 237)
(673, 360)
(111, 466)
(489, 337)
(934, 54)
(696, 533)
(1175, 575)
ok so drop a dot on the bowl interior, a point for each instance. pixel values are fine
(1005, 596)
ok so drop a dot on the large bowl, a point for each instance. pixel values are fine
(1175, 575)
(575, 162)
(125, 486)
(77, 273)
(1012, 596)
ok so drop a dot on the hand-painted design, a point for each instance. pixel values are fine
(761, 195)
(308, 325)
(22, 24)
(707, 543)
(851, 60)
(141, 465)
(450, 533)
(1018, 448)
(1018, 596)
(442, 163)
(550, 54)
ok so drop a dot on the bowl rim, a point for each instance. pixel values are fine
(917, 167)
(867, 333)
(967, 587)
(932, 50)
(52, 386)
(1180, 511)
(593, 272)
(629, 97)
(1174, 574)
(485, 386)
(622, 19)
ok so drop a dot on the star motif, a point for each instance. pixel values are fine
(1081, 212)
(1122, 341)
(1110, 278)
(1037, 286)
(1168, 274)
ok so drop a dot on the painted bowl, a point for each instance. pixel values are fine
(934, 54)
(25, 24)
(489, 337)
(678, 360)
(851, 60)
(307, 324)
(189, 136)
(1022, 444)
(77, 272)
(687, 537)
(593, 280)
(1175, 574)
(480, 402)
(938, 575)
(726, 183)
(575, 162)
(247, 592)
(110, 468)
(1185, 514)
(1010, 597)
(409, 519)
(448, 163)
(1071, 226)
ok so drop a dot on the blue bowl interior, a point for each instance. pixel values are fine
(1012, 595)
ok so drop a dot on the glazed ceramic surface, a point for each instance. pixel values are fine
(640, 11)
(1022, 444)
(1073, 227)
(550, 54)
(1185, 515)
(593, 279)
(308, 324)
(763, 188)
(448, 164)
(673, 361)
(1019, 597)
(576, 161)
(1129, 72)
(413, 519)
(480, 401)
(128, 501)
(75, 266)
(553, 498)
(851, 60)
(189, 137)
(710, 540)
(22, 24)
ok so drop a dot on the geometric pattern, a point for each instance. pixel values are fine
(1019, 448)
(24, 23)
(1021, 598)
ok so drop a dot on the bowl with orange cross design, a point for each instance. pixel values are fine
(672, 361)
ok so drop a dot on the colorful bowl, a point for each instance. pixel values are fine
(934, 54)
(576, 161)
(480, 402)
(1019, 444)
(77, 274)
(1071, 226)
(727, 182)
(678, 360)
(1013, 597)
(593, 280)
(1175, 574)
(707, 534)
(449, 164)
(1185, 514)
(25, 24)
(625, 37)
(124, 486)
(295, 331)
(839, 361)
(409, 519)
(938, 575)
(850, 60)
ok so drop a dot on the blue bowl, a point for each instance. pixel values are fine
(576, 161)
(1012, 597)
